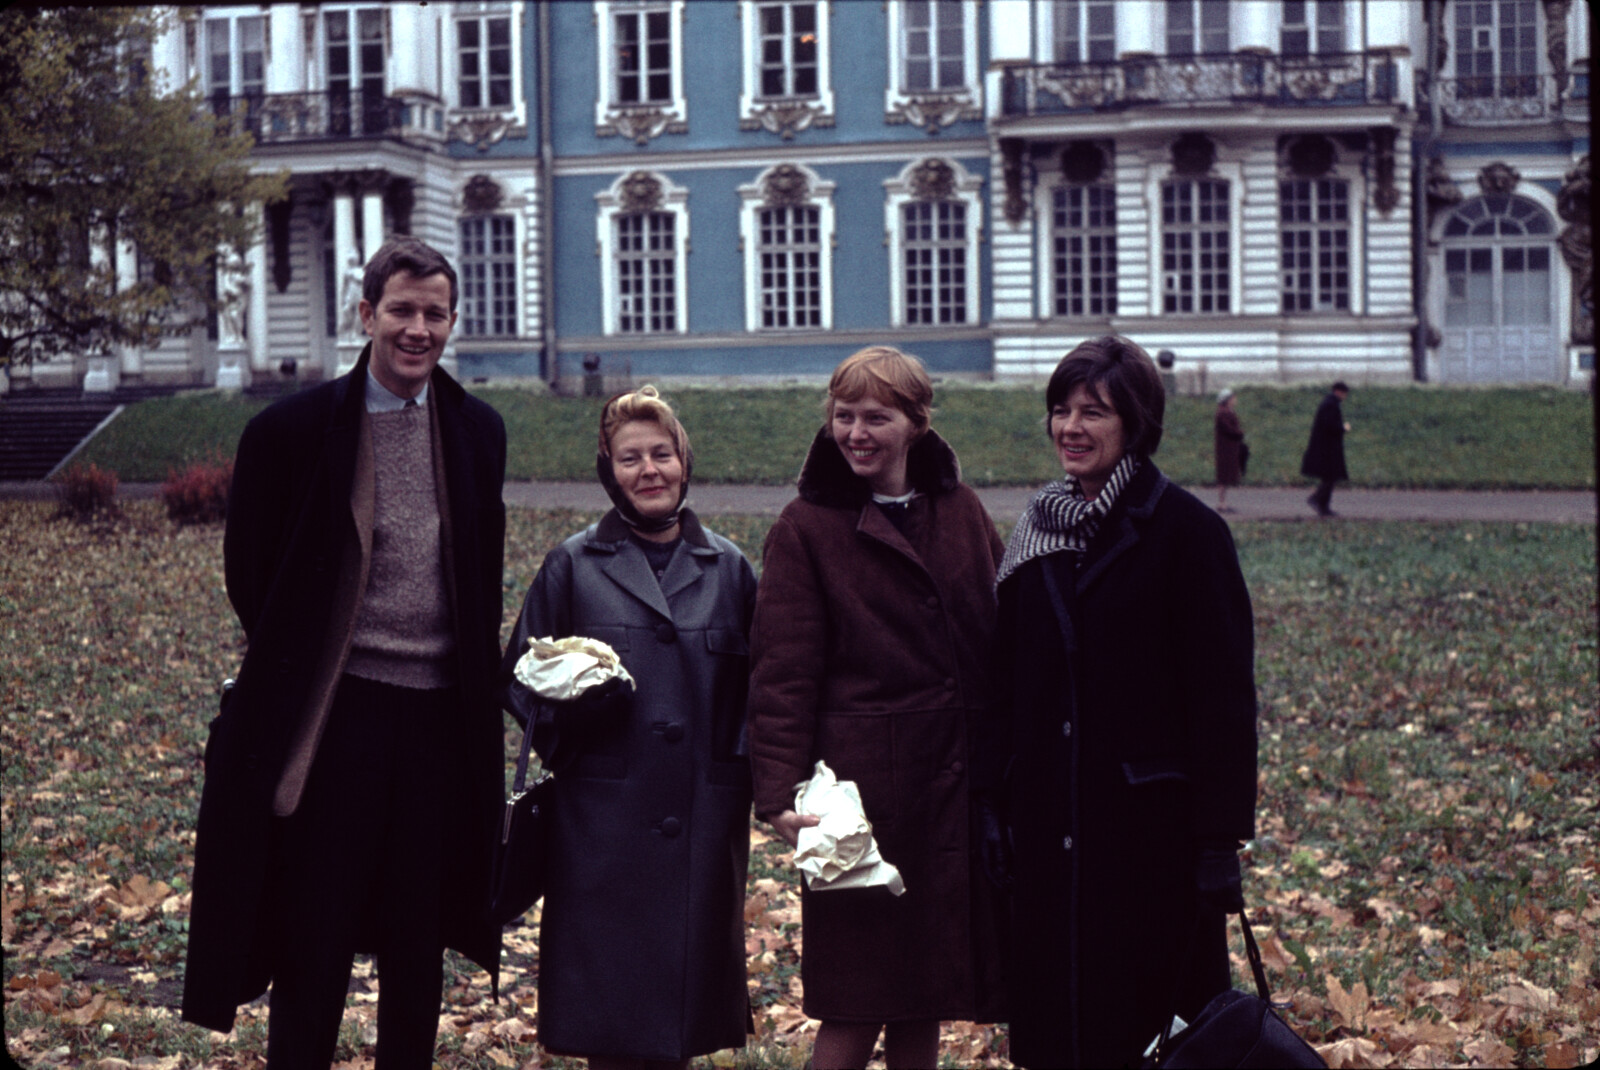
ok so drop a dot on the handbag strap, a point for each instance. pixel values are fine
(519, 785)
(1257, 970)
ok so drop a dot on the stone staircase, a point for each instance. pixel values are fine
(39, 429)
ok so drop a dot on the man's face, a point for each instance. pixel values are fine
(408, 329)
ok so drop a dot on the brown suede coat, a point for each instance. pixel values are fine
(870, 650)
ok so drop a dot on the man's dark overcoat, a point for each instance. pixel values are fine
(1324, 456)
(295, 552)
(1228, 436)
(871, 651)
(1121, 738)
(641, 947)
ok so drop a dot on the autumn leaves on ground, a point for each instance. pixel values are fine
(1425, 882)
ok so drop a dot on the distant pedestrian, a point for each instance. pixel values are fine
(1230, 449)
(1324, 456)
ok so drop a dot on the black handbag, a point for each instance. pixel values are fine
(520, 855)
(1235, 1029)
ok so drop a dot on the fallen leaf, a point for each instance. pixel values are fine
(1351, 1006)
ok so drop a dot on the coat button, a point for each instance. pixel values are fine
(1066, 843)
(1066, 728)
(673, 732)
(666, 633)
(670, 827)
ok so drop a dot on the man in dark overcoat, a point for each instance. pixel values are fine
(353, 777)
(1324, 456)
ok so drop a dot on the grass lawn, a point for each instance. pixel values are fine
(1400, 437)
(1425, 882)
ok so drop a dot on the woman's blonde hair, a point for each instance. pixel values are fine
(890, 376)
(642, 404)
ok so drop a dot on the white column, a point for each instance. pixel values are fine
(130, 358)
(1010, 36)
(287, 71)
(371, 223)
(1255, 25)
(348, 262)
(256, 310)
(1388, 24)
(166, 55)
(405, 60)
(1139, 23)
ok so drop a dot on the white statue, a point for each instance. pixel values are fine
(350, 300)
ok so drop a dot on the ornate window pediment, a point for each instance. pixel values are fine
(933, 63)
(788, 84)
(483, 72)
(640, 52)
(787, 232)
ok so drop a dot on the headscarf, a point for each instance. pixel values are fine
(1059, 517)
(608, 478)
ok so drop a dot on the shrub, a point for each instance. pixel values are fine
(86, 493)
(199, 493)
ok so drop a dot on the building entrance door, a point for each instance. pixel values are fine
(1499, 308)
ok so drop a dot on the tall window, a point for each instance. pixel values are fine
(1497, 48)
(643, 57)
(646, 252)
(1085, 31)
(934, 34)
(488, 276)
(354, 41)
(790, 250)
(235, 61)
(935, 268)
(1194, 246)
(788, 44)
(1197, 26)
(1312, 26)
(1083, 234)
(484, 61)
(1314, 217)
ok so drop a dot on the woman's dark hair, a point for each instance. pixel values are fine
(1122, 373)
(405, 253)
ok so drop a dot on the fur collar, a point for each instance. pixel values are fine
(827, 479)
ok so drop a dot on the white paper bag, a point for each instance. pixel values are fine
(839, 852)
(563, 669)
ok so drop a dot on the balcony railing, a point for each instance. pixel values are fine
(1506, 99)
(1339, 79)
(328, 115)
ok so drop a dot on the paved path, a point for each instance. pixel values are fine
(1007, 503)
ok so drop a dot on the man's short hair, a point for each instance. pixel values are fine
(1340, 387)
(405, 253)
(1123, 374)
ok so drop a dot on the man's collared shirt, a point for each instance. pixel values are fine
(381, 399)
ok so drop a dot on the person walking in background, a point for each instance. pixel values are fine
(1120, 743)
(354, 775)
(1324, 456)
(641, 947)
(871, 651)
(1229, 449)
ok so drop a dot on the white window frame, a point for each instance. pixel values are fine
(816, 109)
(1047, 235)
(515, 113)
(1352, 217)
(1313, 28)
(1231, 172)
(1049, 12)
(233, 17)
(514, 217)
(752, 202)
(1498, 78)
(674, 200)
(898, 193)
(1197, 8)
(640, 121)
(939, 107)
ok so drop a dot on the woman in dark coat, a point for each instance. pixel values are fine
(870, 652)
(641, 950)
(1228, 448)
(1121, 745)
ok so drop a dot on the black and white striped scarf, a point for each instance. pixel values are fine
(1060, 518)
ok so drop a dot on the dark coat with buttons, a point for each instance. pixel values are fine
(1122, 737)
(871, 652)
(298, 540)
(641, 950)
(1324, 456)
